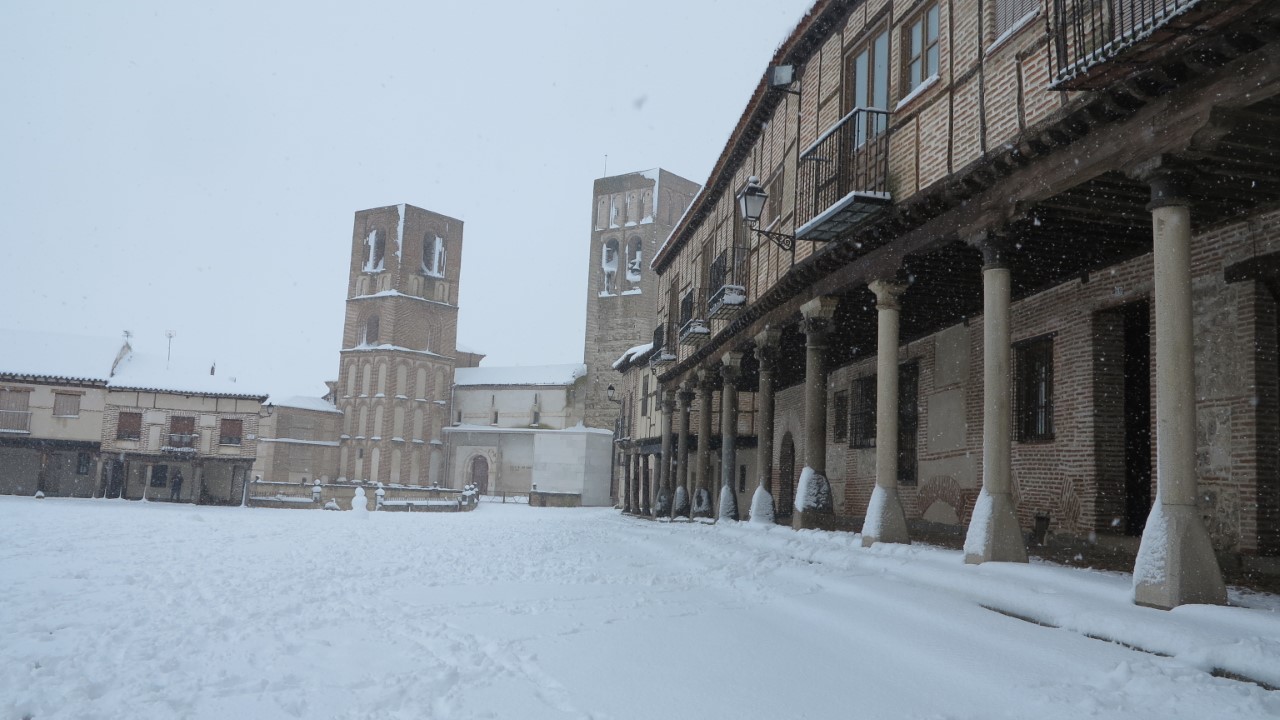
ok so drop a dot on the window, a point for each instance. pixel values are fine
(159, 476)
(182, 431)
(231, 432)
(867, 71)
(83, 461)
(66, 405)
(495, 418)
(433, 255)
(644, 396)
(863, 417)
(129, 426)
(920, 49)
(634, 260)
(609, 264)
(375, 249)
(14, 415)
(1033, 389)
(840, 408)
(1011, 12)
(537, 417)
(371, 330)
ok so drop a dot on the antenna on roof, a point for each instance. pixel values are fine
(606, 165)
(169, 353)
(127, 335)
(213, 367)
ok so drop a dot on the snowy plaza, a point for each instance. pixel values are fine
(117, 609)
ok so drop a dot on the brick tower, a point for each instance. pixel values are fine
(631, 216)
(398, 344)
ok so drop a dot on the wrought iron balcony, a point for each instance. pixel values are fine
(694, 332)
(15, 421)
(182, 440)
(660, 354)
(844, 175)
(727, 300)
(1090, 33)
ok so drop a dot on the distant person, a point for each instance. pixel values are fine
(175, 486)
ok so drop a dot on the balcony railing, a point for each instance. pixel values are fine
(727, 282)
(1091, 32)
(693, 326)
(182, 440)
(844, 175)
(726, 300)
(661, 353)
(16, 421)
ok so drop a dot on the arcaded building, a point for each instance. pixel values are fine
(1002, 266)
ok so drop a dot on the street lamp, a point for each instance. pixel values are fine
(751, 204)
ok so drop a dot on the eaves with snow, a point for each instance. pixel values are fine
(631, 355)
(305, 402)
(151, 373)
(566, 374)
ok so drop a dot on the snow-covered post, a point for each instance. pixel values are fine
(767, 355)
(729, 372)
(707, 381)
(626, 481)
(885, 520)
(662, 503)
(316, 491)
(646, 484)
(378, 495)
(994, 534)
(813, 492)
(1175, 563)
(684, 402)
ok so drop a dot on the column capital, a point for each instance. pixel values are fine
(770, 337)
(823, 307)
(708, 380)
(996, 247)
(888, 293)
(666, 400)
(684, 396)
(731, 370)
(1169, 178)
(815, 329)
(767, 357)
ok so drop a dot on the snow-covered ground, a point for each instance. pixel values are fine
(116, 609)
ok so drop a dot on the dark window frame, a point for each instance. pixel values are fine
(930, 49)
(224, 438)
(84, 461)
(840, 416)
(1033, 389)
(131, 430)
(862, 413)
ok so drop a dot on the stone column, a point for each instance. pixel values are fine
(885, 521)
(994, 534)
(767, 355)
(813, 492)
(637, 460)
(684, 402)
(702, 495)
(1175, 564)
(646, 490)
(626, 482)
(729, 372)
(662, 505)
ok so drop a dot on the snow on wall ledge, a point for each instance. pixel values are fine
(566, 374)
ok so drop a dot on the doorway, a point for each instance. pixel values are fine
(480, 474)
(1136, 319)
(785, 498)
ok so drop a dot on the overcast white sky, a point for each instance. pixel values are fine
(196, 168)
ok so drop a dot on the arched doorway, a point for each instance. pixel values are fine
(785, 498)
(480, 474)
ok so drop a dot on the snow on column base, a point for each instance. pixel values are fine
(728, 504)
(761, 506)
(682, 503)
(885, 521)
(701, 503)
(662, 503)
(813, 501)
(1175, 564)
(994, 534)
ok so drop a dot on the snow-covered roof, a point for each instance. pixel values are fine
(55, 355)
(304, 402)
(533, 375)
(151, 372)
(631, 354)
(466, 349)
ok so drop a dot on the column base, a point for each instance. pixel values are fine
(761, 506)
(662, 504)
(681, 508)
(994, 534)
(728, 504)
(1176, 565)
(701, 503)
(885, 521)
